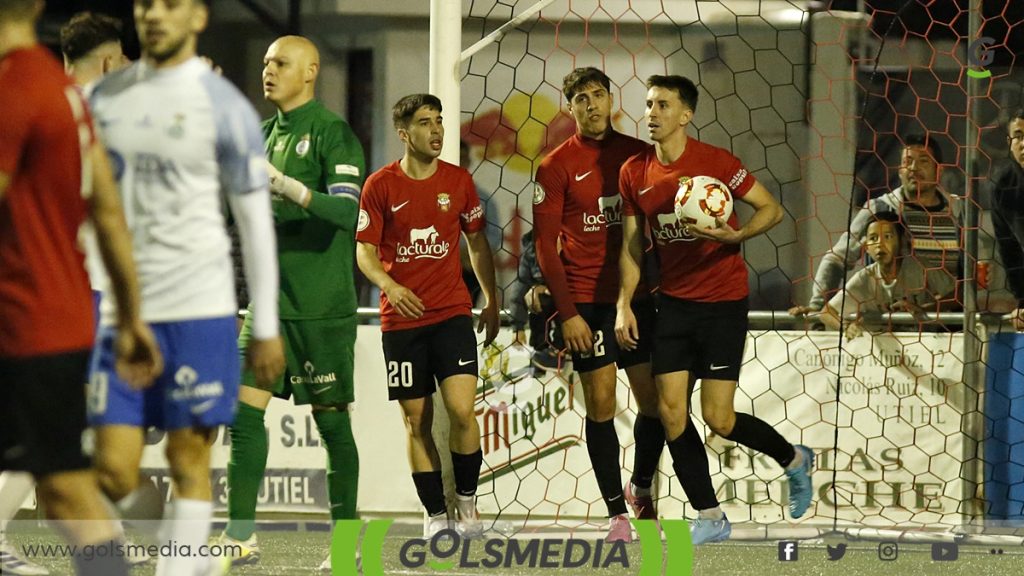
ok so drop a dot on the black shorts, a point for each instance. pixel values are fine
(704, 338)
(601, 319)
(42, 413)
(417, 359)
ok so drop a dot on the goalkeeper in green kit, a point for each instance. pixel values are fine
(316, 167)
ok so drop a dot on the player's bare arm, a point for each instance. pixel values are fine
(5, 181)
(138, 358)
(626, 331)
(767, 213)
(404, 300)
(482, 258)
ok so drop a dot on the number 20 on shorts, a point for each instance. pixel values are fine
(399, 374)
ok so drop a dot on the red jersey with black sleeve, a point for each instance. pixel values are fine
(577, 201)
(45, 135)
(415, 225)
(691, 268)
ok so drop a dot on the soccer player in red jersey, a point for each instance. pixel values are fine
(576, 202)
(702, 304)
(411, 214)
(54, 176)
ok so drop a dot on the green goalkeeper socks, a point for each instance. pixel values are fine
(245, 470)
(342, 462)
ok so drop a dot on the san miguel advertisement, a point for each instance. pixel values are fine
(895, 403)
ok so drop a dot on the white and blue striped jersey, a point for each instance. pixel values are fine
(180, 139)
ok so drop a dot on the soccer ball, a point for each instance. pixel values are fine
(701, 199)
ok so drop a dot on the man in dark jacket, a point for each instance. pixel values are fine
(1008, 213)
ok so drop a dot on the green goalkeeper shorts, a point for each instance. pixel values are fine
(319, 360)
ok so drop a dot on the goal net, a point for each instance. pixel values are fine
(816, 104)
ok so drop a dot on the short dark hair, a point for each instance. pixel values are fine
(580, 78)
(87, 31)
(406, 108)
(1018, 113)
(925, 140)
(683, 86)
(892, 218)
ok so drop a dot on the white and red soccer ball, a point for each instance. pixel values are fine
(702, 199)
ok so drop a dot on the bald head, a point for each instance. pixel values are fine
(290, 68)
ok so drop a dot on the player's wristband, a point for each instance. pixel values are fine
(295, 191)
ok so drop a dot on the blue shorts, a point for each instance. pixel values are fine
(198, 387)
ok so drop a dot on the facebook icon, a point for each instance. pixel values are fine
(788, 551)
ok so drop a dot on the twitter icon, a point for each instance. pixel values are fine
(836, 553)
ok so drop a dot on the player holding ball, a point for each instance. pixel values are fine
(702, 306)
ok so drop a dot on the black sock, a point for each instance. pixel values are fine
(649, 435)
(98, 564)
(690, 461)
(757, 434)
(603, 446)
(466, 468)
(430, 489)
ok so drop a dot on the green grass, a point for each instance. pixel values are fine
(287, 553)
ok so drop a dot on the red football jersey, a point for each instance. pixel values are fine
(45, 133)
(578, 183)
(415, 225)
(691, 268)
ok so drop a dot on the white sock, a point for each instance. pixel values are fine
(15, 487)
(798, 460)
(712, 513)
(186, 523)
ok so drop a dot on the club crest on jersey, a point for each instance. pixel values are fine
(538, 194)
(444, 201)
(303, 146)
(609, 213)
(364, 221)
(670, 229)
(423, 243)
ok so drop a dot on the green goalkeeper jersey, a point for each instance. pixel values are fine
(316, 245)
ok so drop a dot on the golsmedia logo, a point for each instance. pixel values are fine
(447, 550)
(979, 55)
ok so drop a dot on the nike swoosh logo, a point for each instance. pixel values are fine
(399, 207)
(322, 390)
(644, 191)
(582, 176)
(714, 367)
(465, 362)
